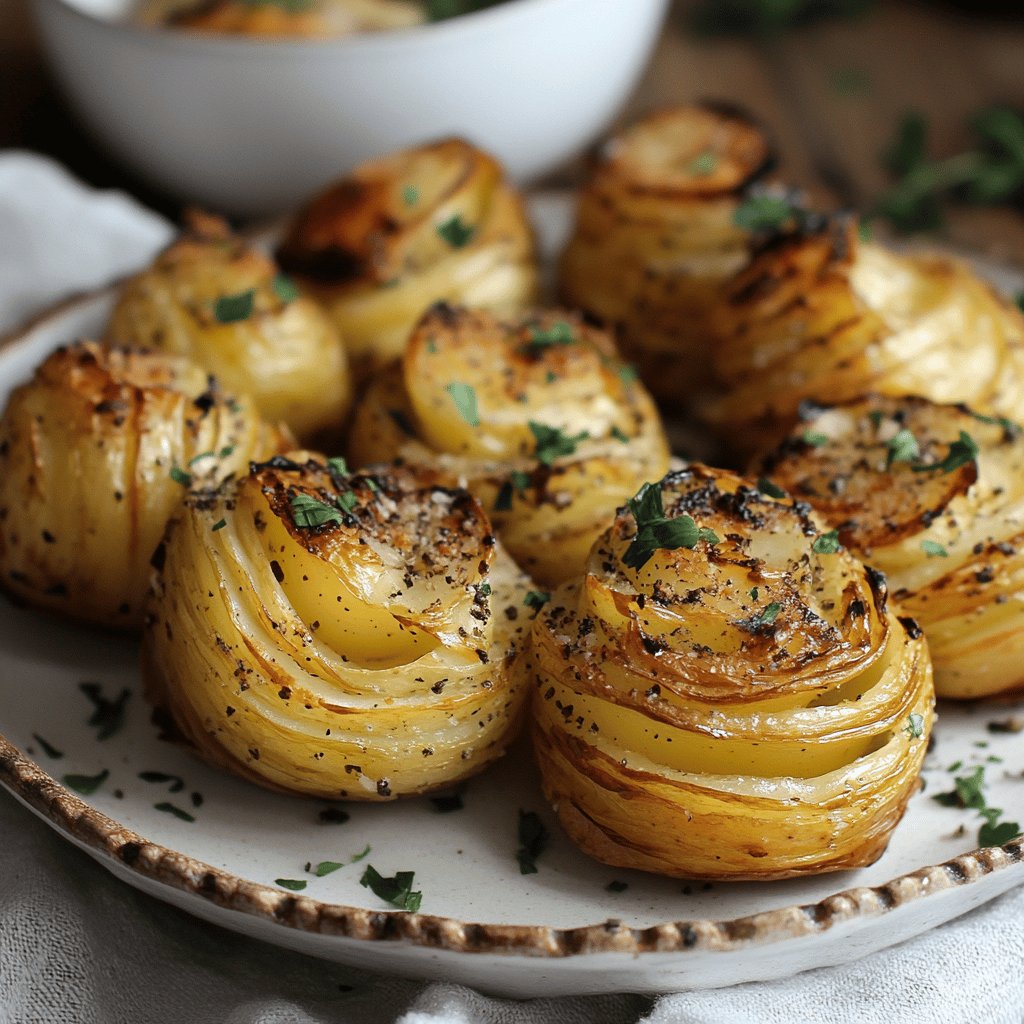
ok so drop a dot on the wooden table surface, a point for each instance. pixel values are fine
(832, 94)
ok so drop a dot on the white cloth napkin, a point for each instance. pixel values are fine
(79, 947)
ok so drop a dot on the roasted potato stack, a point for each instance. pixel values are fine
(342, 636)
(655, 239)
(539, 418)
(824, 315)
(224, 304)
(933, 495)
(302, 18)
(401, 233)
(95, 454)
(725, 694)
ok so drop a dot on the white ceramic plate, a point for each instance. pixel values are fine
(482, 923)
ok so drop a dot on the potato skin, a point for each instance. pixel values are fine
(822, 315)
(369, 657)
(951, 543)
(425, 225)
(279, 347)
(748, 708)
(548, 515)
(655, 241)
(87, 449)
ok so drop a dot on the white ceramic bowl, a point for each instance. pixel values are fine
(254, 126)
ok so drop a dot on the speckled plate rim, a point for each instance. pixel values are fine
(103, 835)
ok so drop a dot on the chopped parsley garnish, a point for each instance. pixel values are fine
(325, 867)
(48, 748)
(559, 333)
(533, 840)
(628, 373)
(347, 501)
(995, 832)
(902, 447)
(814, 438)
(655, 532)
(410, 195)
(86, 784)
(295, 884)
(179, 476)
(362, 855)
(765, 486)
(827, 543)
(230, 309)
(933, 549)
(703, 164)
(619, 436)
(464, 397)
(309, 512)
(968, 793)
(219, 525)
(455, 232)
(108, 715)
(765, 213)
(961, 451)
(768, 615)
(484, 589)
(516, 483)
(169, 808)
(754, 594)
(553, 443)
(396, 890)
(337, 466)
(285, 288)
(915, 726)
(176, 781)
(536, 599)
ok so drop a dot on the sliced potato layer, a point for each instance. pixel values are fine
(225, 305)
(96, 452)
(933, 495)
(437, 223)
(336, 635)
(655, 239)
(738, 703)
(823, 315)
(539, 418)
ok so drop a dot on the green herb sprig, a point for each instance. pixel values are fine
(396, 890)
(991, 172)
(656, 532)
(968, 792)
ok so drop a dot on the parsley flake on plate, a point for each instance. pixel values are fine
(396, 890)
(533, 840)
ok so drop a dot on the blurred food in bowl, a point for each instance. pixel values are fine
(309, 18)
(251, 125)
(301, 18)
